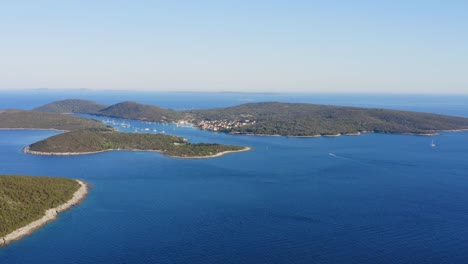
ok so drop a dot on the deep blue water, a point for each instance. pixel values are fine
(381, 199)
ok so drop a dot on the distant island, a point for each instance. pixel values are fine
(275, 118)
(86, 136)
(28, 203)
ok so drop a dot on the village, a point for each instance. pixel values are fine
(224, 125)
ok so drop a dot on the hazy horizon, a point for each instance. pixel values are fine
(394, 47)
(332, 93)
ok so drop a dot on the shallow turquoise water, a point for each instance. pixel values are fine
(380, 199)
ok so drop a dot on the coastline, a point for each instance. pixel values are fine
(214, 155)
(28, 151)
(50, 215)
(435, 133)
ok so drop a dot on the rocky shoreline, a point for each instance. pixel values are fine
(348, 134)
(28, 151)
(215, 155)
(50, 215)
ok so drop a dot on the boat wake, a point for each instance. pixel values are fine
(349, 159)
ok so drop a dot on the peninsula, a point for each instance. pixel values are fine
(275, 118)
(22, 119)
(29, 202)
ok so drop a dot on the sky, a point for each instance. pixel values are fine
(330, 46)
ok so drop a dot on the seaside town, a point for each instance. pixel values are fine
(224, 125)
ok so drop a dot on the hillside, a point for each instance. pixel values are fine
(132, 110)
(24, 199)
(42, 120)
(86, 141)
(290, 119)
(71, 106)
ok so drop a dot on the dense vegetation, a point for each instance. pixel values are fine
(98, 140)
(132, 110)
(288, 119)
(71, 106)
(24, 199)
(41, 120)
(308, 119)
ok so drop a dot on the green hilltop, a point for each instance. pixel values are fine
(71, 106)
(133, 110)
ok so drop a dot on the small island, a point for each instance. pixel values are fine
(29, 202)
(89, 141)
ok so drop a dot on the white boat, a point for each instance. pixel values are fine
(433, 144)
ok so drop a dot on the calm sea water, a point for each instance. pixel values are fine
(380, 199)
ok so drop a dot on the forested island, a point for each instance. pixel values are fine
(85, 136)
(94, 141)
(28, 202)
(274, 118)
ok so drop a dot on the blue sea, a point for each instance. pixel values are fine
(378, 199)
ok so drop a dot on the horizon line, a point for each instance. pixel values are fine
(225, 91)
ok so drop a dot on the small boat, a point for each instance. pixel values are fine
(433, 144)
(331, 154)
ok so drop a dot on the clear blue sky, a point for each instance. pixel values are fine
(405, 46)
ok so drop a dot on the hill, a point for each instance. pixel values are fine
(133, 110)
(71, 106)
(90, 141)
(42, 120)
(293, 119)
(24, 199)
